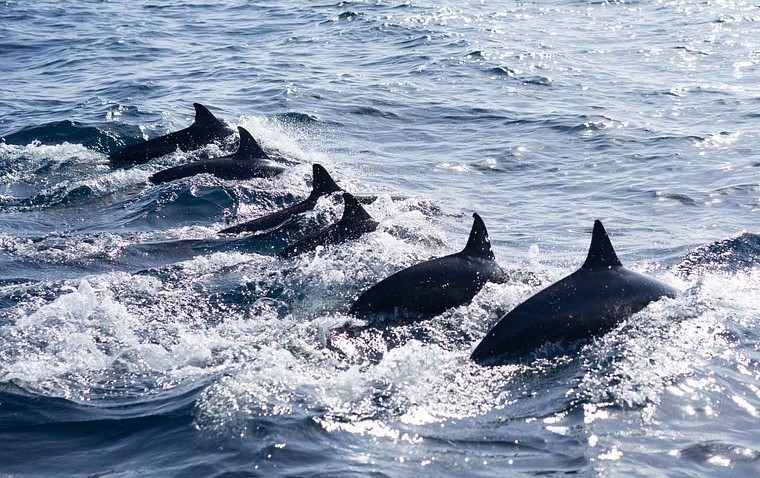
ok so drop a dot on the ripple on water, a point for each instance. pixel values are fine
(136, 341)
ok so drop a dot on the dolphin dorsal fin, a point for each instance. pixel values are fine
(204, 118)
(352, 210)
(322, 183)
(601, 253)
(478, 244)
(249, 148)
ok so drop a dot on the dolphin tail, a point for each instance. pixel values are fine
(353, 211)
(478, 244)
(600, 254)
(249, 148)
(322, 184)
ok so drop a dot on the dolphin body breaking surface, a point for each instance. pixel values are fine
(434, 286)
(322, 185)
(205, 130)
(588, 302)
(250, 161)
(353, 224)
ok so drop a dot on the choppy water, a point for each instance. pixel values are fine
(135, 342)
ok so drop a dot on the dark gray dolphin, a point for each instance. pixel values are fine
(354, 222)
(205, 130)
(322, 185)
(434, 286)
(588, 302)
(250, 161)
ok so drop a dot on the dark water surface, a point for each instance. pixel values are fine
(134, 341)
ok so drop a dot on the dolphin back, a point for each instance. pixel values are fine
(223, 168)
(205, 129)
(353, 224)
(588, 302)
(582, 305)
(434, 286)
(270, 221)
(424, 290)
(322, 185)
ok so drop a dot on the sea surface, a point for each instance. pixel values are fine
(134, 341)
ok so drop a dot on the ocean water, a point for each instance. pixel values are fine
(136, 342)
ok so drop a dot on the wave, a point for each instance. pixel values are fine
(60, 132)
(734, 254)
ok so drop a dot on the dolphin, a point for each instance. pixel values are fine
(354, 222)
(588, 302)
(434, 286)
(250, 161)
(205, 129)
(322, 185)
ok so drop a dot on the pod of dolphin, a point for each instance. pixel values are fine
(588, 302)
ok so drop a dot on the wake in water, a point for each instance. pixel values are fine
(135, 339)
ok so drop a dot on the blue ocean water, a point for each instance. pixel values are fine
(136, 342)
